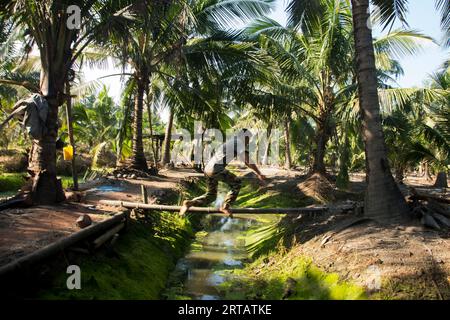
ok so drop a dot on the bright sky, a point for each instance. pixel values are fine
(422, 17)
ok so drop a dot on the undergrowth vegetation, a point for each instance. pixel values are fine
(285, 275)
(137, 267)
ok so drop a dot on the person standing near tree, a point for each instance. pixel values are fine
(216, 171)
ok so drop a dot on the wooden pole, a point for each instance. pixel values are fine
(144, 194)
(287, 140)
(108, 235)
(165, 157)
(157, 207)
(71, 138)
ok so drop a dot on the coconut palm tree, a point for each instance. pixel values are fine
(383, 197)
(440, 116)
(317, 70)
(163, 40)
(207, 87)
(211, 44)
(59, 45)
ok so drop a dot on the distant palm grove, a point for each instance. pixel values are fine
(322, 78)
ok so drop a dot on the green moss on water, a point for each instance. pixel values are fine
(284, 275)
(197, 245)
(137, 269)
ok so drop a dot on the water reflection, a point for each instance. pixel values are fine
(220, 250)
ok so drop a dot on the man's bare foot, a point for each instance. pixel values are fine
(184, 208)
(226, 210)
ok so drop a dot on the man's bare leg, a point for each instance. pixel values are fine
(208, 197)
(225, 209)
(186, 205)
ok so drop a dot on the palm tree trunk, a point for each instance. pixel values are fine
(427, 171)
(138, 160)
(383, 197)
(287, 140)
(265, 160)
(344, 163)
(441, 180)
(167, 139)
(319, 154)
(47, 189)
(150, 124)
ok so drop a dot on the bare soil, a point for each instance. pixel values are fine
(393, 261)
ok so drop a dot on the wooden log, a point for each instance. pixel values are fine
(108, 235)
(157, 207)
(59, 246)
(144, 194)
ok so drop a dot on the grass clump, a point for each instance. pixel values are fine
(11, 182)
(265, 236)
(286, 275)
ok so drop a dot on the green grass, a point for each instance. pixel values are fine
(139, 270)
(269, 278)
(263, 239)
(67, 182)
(11, 182)
(145, 255)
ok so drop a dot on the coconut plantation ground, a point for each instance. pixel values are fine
(224, 150)
(286, 257)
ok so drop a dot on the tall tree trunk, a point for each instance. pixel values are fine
(167, 139)
(322, 138)
(427, 171)
(138, 160)
(42, 159)
(70, 133)
(344, 163)
(150, 124)
(287, 141)
(441, 180)
(265, 160)
(383, 197)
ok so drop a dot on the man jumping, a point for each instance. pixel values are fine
(215, 171)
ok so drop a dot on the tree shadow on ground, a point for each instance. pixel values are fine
(431, 283)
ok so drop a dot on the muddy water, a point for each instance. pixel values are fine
(205, 266)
